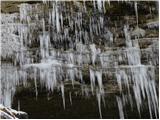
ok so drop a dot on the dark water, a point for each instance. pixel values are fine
(81, 107)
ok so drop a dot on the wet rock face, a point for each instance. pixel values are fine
(13, 7)
(63, 45)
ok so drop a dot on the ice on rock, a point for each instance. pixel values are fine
(109, 36)
(25, 11)
(44, 45)
(44, 65)
(9, 18)
(94, 52)
(127, 36)
(70, 57)
(153, 25)
(138, 32)
(133, 55)
(10, 42)
(71, 73)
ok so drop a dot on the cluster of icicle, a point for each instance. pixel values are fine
(142, 78)
(75, 50)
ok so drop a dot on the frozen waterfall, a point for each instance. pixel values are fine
(56, 46)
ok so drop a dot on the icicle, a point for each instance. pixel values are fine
(137, 94)
(63, 96)
(119, 81)
(99, 79)
(136, 11)
(61, 20)
(143, 84)
(57, 19)
(99, 104)
(44, 1)
(84, 2)
(53, 14)
(35, 82)
(43, 22)
(103, 100)
(108, 2)
(101, 21)
(92, 79)
(70, 97)
(1, 99)
(71, 58)
(120, 107)
(19, 107)
(71, 72)
(99, 4)
(104, 7)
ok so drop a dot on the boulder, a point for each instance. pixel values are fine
(138, 32)
(8, 113)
